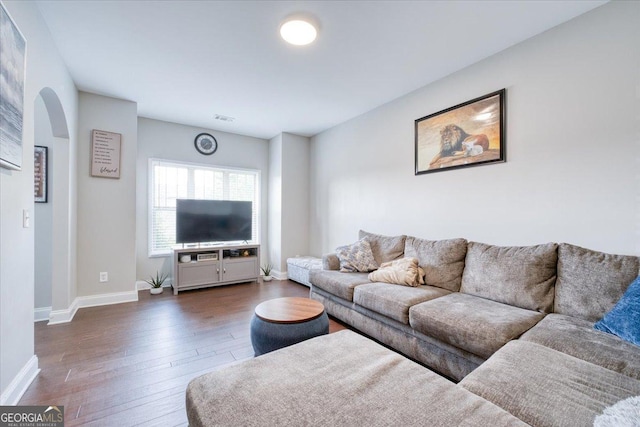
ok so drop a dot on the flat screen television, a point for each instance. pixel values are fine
(200, 221)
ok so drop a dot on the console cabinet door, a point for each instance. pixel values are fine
(199, 273)
(240, 268)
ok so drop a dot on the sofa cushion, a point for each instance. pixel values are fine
(394, 301)
(576, 337)
(384, 248)
(522, 276)
(590, 283)
(441, 260)
(337, 283)
(477, 325)
(356, 257)
(544, 387)
(340, 379)
(624, 318)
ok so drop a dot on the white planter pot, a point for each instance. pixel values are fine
(267, 278)
(156, 291)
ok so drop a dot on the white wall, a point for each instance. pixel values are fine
(45, 68)
(43, 215)
(295, 197)
(572, 150)
(107, 207)
(275, 204)
(171, 141)
(288, 199)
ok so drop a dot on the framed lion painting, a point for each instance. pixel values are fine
(469, 134)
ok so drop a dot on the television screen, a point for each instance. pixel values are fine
(199, 221)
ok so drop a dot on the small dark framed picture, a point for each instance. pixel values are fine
(468, 134)
(40, 166)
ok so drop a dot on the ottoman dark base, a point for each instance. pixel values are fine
(269, 336)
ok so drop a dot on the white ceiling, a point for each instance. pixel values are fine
(185, 61)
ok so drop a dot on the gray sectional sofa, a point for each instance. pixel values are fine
(478, 297)
(512, 326)
(517, 311)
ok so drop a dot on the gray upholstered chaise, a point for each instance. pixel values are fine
(298, 268)
(341, 379)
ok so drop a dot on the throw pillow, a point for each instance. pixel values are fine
(405, 271)
(623, 414)
(356, 257)
(624, 318)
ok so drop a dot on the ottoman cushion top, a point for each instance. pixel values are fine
(307, 262)
(336, 379)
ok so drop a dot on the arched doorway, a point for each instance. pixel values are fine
(52, 220)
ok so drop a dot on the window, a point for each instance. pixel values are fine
(169, 181)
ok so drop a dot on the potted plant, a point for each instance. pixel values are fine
(156, 282)
(266, 270)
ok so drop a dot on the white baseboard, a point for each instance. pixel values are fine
(141, 285)
(64, 316)
(40, 314)
(279, 275)
(15, 390)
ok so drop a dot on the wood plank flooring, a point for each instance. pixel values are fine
(129, 364)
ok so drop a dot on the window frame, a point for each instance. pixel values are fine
(153, 161)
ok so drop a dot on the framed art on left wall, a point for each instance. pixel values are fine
(40, 166)
(12, 67)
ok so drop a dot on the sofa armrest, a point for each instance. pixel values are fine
(330, 262)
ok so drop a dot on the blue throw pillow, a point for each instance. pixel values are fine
(624, 318)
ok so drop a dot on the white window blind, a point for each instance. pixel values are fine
(169, 181)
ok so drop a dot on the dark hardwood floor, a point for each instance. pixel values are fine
(129, 364)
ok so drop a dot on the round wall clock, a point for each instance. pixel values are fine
(206, 144)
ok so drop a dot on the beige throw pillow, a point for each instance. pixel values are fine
(404, 271)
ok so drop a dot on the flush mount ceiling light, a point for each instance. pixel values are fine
(299, 31)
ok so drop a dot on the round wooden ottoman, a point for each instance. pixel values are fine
(282, 322)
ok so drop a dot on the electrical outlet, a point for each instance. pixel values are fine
(104, 277)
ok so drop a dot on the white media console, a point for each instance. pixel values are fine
(214, 266)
